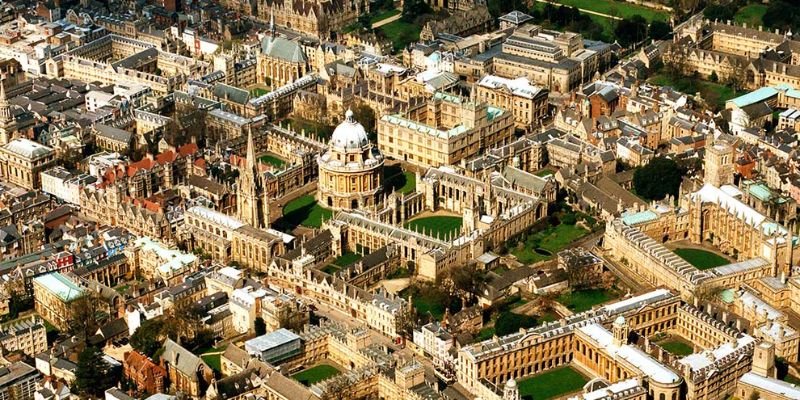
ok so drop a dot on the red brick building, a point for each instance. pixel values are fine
(145, 373)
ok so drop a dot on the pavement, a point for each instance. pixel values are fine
(387, 21)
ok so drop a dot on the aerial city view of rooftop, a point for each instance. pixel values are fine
(400, 199)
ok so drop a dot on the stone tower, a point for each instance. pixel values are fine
(252, 206)
(510, 390)
(621, 331)
(7, 123)
(764, 360)
(718, 163)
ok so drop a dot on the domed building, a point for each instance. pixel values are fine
(350, 172)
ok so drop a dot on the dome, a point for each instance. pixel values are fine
(511, 383)
(349, 134)
(620, 320)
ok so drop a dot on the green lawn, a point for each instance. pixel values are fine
(716, 94)
(618, 9)
(272, 160)
(404, 183)
(544, 172)
(677, 347)
(383, 15)
(485, 334)
(552, 239)
(331, 269)
(440, 225)
(313, 375)
(346, 259)
(401, 33)
(213, 361)
(303, 211)
(582, 300)
(791, 379)
(258, 92)
(319, 130)
(751, 14)
(553, 383)
(701, 259)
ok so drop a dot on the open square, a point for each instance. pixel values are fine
(702, 259)
(315, 374)
(550, 384)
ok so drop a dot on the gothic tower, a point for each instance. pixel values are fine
(719, 160)
(251, 200)
(7, 123)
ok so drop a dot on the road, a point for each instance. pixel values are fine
(583, 10)
(386, 21)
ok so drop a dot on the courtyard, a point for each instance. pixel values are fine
(304, 211)
(396, 179)
(271, 159)
(551, 384)
(437, 225)
(701, 259)
(677, 346)
(315, 374)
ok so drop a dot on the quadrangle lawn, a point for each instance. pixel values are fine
(701, 259)
(313, 375)
(582, 300)
(552, 239)
(346, 259)
(437, 224)
(303, 211)
(384, 14)
(677, 347)
(401, 33)
(550, 384)
(213, 361)
(405, 182)
(716, 94)
(272, 160)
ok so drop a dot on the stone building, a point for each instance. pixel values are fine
(23, 160)
(322, 19)
(351, 170)
(187, 372)
(444, 130)
(252, 203)
(53, 295)
(280, 61)
(528, 103)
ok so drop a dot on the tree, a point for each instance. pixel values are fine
(658, 30)
(468, 281)
(94, 375)
(260, 326)
(659, 178)
(413, 9)
(631, 31)
(718, 12)
(365, 21)
(149, 337)
(366, 117)
(713, 77)
(83, 314)
(581, 276)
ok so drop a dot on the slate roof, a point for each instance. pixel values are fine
(181, 359)
(280, 48)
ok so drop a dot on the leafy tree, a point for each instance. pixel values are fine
(84, 310)
(718, 12)
(658, 30)
(631, 31)
(94, 375)
(365, 21)
(713, 77)
(413, 9)
(659, 178)
(569, 219)
(782, 15)
(149, 337)
(260, 326)
(468, 280)
(366, 117)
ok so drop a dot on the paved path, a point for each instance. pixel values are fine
(389, 20)
(583, 10)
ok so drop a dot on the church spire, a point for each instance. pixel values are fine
(251, 152)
